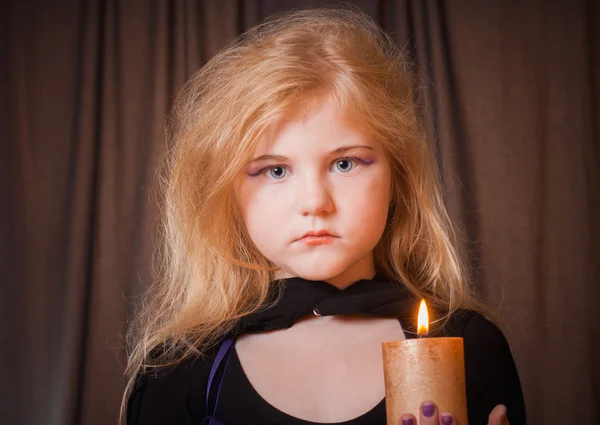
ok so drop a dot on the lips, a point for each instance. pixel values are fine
(317, 235)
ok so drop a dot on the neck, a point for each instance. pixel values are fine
(363, 269)
(344, 280)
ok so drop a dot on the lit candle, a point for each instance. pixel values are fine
(416, 370)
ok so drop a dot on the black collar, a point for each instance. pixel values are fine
(378, 297)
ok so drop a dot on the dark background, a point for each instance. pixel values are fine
(512, 89)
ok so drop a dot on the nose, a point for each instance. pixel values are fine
(315, 197)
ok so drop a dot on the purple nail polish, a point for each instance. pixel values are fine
(428, 409)
(446, 419)
(408, 421)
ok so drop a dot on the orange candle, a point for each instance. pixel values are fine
(423, 369)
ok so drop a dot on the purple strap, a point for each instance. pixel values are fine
(224, 350)
(211, 420)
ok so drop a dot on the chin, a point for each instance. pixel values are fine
(317, 271)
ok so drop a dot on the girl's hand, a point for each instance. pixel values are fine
(498, 416)
(429, 415)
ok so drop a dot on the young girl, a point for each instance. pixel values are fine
(303, 224)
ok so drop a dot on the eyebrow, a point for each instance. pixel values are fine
(283, 158)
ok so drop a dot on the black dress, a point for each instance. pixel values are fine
(178, 396)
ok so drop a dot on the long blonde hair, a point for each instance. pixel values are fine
(210, 272)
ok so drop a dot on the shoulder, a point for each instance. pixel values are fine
(490, 370)
(471, 326)
(481, 336)
(484, 341)
(486, 349)
(171, 394)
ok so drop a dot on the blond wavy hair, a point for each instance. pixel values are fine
(210, 273)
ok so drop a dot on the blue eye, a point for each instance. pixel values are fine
(276, 172)
(344, 165)
(340, 165)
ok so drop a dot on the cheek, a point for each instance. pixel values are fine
(368, 200)
(261, 211)
(366, 214)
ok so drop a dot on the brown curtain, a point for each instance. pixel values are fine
(512, 91)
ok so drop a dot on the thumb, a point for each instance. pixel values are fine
(498, 416)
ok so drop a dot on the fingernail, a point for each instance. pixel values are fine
(446, 419)
(428, 409)
(408, 421)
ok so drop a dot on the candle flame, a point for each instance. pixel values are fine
(423, 322)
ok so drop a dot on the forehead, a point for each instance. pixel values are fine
(323, 127)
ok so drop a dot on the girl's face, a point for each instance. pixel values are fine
(316, 175)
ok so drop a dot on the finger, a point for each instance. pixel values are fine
(498, 416)
(448, 419)
(428, 414)
(408, 419)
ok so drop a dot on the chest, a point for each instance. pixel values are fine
(322, 372)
